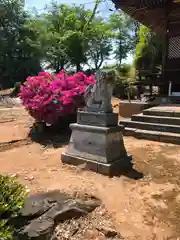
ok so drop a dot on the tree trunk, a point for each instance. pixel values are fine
(129, 93)
(57, 66)
(120, 52)
(78, 67)
(62, 64)
(139, 92)
(151, 89)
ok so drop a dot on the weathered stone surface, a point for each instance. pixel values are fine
(41, 229)
(156, 112)
(150, 126)
(156, 119)
(37, 204)
(42, 212)
(150, 135)
(97, 119)
(177, 114)
(98, 96)
(160, 123)
(109, 169)
(96, 138)
(164, 111)
(100, 144)
(170, 137)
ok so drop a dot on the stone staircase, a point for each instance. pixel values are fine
(174, 99)
(158, 123)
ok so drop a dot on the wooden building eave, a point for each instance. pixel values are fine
(153, 13)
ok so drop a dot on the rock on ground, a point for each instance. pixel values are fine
(42, 212)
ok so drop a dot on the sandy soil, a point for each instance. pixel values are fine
(7, 91)
(142, 208)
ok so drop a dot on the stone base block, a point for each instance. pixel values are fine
(97, 119)
(101, 144)
(109, 169)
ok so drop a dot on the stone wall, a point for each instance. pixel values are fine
(127, 109)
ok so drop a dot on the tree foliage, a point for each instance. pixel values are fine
(148, 49)
(100, 44)
(18, 57)
(124, 34)
(63, 36)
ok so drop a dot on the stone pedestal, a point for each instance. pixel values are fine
(97, 142)
(97, 119)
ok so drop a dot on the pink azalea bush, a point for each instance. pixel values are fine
(48, 97)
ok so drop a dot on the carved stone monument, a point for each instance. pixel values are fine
(96, 138)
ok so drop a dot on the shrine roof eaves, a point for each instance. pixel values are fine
(152, 13)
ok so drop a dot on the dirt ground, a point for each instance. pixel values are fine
(143, 205)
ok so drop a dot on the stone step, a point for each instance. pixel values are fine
(156, 119)
(161, 112)
(174, 99)
(176, 102)
(152, 135)
(150, 126)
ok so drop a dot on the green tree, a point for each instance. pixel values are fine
(100, 44)
(84, 31)
(16, 53)
(148, 50)
(123, 28)
(65, 32)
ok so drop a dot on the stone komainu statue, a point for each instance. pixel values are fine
(98, 96)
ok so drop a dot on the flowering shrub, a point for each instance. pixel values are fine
(12, 198)
(48, 96)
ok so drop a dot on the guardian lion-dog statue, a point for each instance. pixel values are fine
(98, 96)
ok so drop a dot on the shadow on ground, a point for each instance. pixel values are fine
(133, 174)
(51, 137)
(56, 135)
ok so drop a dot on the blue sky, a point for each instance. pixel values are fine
(39, 4)
(103, 9)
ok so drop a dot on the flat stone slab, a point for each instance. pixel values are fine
(43, 211)
(164, 110)
(129, 131)
(150, 135)
(108, 169)
(160, 112)
(166, 137)
(97, 119)
(156, 119)
(150, 126)
(167, 107)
